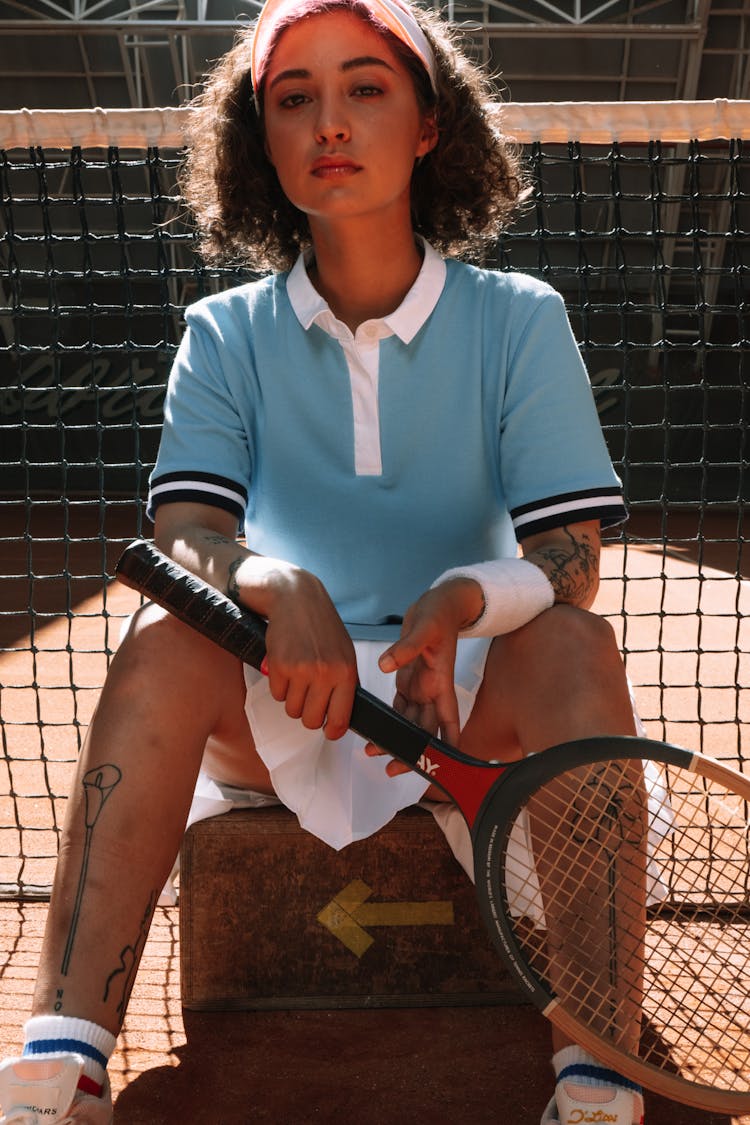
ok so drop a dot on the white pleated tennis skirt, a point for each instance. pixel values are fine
(336, 791)
(340, 795)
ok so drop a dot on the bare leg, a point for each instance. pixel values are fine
(559, 678)
(167, 691)
(588, 838)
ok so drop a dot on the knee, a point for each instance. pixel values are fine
(165, 673)
(584, 629)
(155, 642)
(570, 638)
(149, 626)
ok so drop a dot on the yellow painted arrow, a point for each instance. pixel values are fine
(347, 914)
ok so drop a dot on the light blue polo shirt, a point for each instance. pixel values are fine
(435, 437)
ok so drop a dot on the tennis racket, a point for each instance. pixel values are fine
(613, 874)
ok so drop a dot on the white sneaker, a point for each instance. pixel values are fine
(43, 1090)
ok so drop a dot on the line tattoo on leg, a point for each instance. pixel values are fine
(130, 957)
(98, 784)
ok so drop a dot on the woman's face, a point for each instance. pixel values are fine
(342, 122)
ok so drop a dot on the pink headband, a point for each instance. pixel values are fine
(396, 15)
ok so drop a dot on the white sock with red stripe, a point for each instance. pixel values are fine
(64, 1035)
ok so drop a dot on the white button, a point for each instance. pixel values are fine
(371, 331)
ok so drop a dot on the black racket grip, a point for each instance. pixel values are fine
(145, 568)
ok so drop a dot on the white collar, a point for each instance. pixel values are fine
(405, 321)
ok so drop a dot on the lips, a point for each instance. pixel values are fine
(334, 165)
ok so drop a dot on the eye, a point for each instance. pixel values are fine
(291, 101)
(367, 90)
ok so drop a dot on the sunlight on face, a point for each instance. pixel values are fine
(343, 125)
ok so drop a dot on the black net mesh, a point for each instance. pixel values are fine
(647, 244)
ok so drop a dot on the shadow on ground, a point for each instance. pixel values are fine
(477, 1066)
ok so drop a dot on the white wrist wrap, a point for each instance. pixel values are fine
(514, 591)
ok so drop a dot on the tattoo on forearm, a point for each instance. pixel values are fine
(233, 589)
(98, 784)
(216, 539)
(130, 957)
(574, 570)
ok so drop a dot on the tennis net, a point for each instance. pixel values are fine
(639, 218)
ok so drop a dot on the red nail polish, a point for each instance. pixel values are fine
(264, 665)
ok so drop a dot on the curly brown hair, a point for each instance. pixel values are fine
(463, 192)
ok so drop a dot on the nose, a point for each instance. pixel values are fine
(332, 123)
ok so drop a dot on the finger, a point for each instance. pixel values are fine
(316, 705)
(450, 732)
(448, 718)
(426, 717)
(408, 709)
(422, 715)
(278, 684)
(396, 769)
(400, 653)
(400, 702)
(339, 713)
(294, 699)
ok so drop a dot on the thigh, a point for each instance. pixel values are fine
(230, 755)
(201, 689)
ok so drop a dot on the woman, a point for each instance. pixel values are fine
(389, 424)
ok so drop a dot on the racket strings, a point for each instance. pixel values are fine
(701, 989)
(633, 918)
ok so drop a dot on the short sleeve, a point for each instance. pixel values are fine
(554, 462)
(204, 455)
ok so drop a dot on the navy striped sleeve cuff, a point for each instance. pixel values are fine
(197, 488)
(603, 504)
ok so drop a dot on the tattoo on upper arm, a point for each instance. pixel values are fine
(98, 784)
(233, 589)
(575, 569)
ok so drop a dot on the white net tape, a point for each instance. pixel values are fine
(552, 122)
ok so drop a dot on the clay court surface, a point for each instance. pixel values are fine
(478, 1066)
(465, 1064)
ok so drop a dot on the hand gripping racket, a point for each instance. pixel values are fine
(613, 874)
